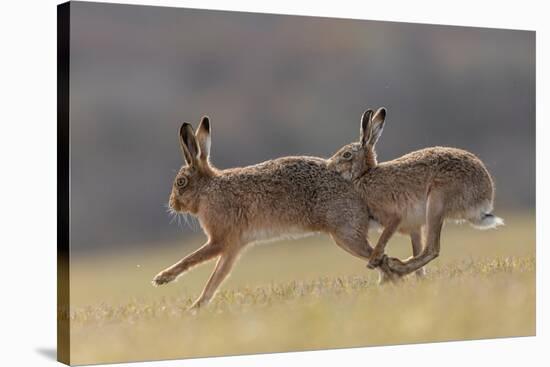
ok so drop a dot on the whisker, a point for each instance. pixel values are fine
(184, 215)
(181, 221)
(173, 218)
(181, 217)
(195, 222)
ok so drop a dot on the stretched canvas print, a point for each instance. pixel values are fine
(234, 183)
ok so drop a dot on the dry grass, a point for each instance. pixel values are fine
(305, 295)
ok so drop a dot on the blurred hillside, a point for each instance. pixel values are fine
(273, 86)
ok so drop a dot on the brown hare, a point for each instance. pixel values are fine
(280, 197)
(416, 191)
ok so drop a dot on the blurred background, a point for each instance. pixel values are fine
(273, 86)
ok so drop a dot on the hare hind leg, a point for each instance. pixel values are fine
(357, 244)
(353, 243)
(207, 252)
(434, 223)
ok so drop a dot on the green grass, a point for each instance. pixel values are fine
(303, 295)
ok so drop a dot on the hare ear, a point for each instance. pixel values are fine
(376, 126)
(188, 143)
(364, 131)
(203, 138)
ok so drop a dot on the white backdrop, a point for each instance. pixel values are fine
(28, 183)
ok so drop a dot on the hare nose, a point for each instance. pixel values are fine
(173, 202)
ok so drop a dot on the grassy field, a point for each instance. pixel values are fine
(302, 295)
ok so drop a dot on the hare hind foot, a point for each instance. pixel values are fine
(415, 265)
(397, 266)
(376, 259)
(386, 274)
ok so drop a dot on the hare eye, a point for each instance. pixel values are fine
(182, 181)
(346, 155)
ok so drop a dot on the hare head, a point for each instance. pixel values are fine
(192, 175)
(354, 159)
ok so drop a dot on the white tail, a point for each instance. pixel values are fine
(487, 221)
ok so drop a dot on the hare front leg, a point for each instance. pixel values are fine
(416, 241)
(435, 218)
(221, 271)
(378, 252)
(207, 252)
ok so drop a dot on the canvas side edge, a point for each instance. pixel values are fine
(63, 195)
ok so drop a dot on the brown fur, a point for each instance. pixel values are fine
(238, 206)
(419, 189)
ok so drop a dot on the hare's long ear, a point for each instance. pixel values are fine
(203, 138)
(375, 128)
(188, 143)
(364, 131)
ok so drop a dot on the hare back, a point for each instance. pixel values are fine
(290, 195)
(401, 186)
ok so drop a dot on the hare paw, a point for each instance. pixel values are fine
(375, 260)
(396, 265)
(387, 274)
(197, 305)
(163, 277)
